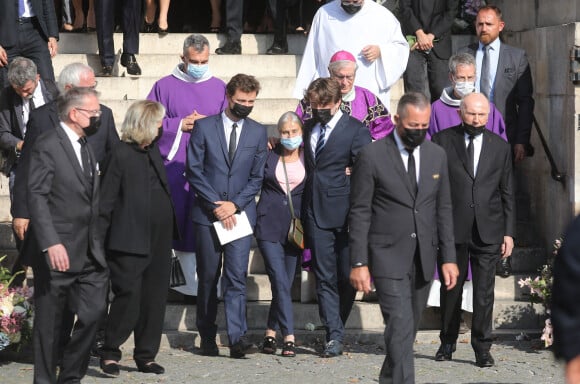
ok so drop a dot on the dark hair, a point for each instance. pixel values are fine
(323, 91)
(491, 8)
(415, 99)
(245, 83)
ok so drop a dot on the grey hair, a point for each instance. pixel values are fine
(20, 71)
(289, 117)
(416, 99)
(142, 120)
(455, 61)
(74, 98)
(71, 75)
(336, 65)
(195, 41)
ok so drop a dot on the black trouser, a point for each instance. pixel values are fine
(105, 19)
(426, 72)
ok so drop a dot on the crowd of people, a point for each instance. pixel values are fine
(92, 209)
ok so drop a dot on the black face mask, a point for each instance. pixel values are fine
(241, 111)
(323, 116)
(412, 138)
(473, 131)
(93, 127)
(351, 9)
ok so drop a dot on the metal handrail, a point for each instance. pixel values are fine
(556, 174)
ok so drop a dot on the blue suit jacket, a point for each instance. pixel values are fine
(214, 178)
(273, 208)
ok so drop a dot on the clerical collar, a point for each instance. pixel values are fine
(448, 98)
(178, 73)
(349, 96)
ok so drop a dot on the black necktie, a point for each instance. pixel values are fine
(86, 159)
(321, 141)
(31, 106)
(471, 155)
(485, 80)
(233, 139)
(411, 170)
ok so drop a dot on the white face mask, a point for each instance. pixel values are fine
(464, 88)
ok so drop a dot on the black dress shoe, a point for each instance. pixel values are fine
(129, 61)
(151, 367)
(230, 48)
(242, 347)
(111, 369)
(277, 49)
(106, 71)
(503, 267)
(209, 348)
(332, 349)
(445, 352)
(484, 360)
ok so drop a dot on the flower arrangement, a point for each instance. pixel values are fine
(16, 311)
(541, 289)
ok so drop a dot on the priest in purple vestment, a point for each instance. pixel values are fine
(189, 93)
(445, 111)
(358, 102)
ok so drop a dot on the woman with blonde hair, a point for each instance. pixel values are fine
(138, 222)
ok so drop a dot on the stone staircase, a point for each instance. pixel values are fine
(158, 57)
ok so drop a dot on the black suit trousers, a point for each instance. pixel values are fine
(54, 292)
(105, 18)
(426, 72)
(483, 258)
(402, 302)
(331, 262)
(234, 19)
(31, 45)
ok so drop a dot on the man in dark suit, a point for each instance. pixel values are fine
(72, 273)
(400, 222)
(225, 166)
(131, 22)
(480, 173)
(26, 92)
(234, 28)
(565, 309)
(332, 139)
(429, 21)
(504, 76)
(28, 28)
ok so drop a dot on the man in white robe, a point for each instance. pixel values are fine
(367, 30)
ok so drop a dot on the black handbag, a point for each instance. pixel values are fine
(176, 278)
(296, 232)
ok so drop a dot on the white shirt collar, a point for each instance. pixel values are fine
(181, 75)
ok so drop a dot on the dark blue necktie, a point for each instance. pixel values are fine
(321, 141)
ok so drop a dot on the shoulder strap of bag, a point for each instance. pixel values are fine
(288, 192)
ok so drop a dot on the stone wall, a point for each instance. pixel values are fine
(548, 30)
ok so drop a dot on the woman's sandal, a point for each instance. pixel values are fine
(289, 349)
(269, 345)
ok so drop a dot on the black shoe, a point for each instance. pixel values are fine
(503, 268)
(129, 61)
(106, 71)
(332, 349)
(445, 352)
(269, 345)
(111, 369)
(277, 49)
(484, 360)
(209, 348)
(151, 367)
(230, 48)
(242, 347)
(99, 342)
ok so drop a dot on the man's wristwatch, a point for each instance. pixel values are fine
(357, 265)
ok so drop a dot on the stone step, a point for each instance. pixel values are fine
(133, 88)
(159, 65)
(172, 44)
(508, 314)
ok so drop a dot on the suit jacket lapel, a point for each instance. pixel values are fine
(72, 157)
(221, 133)
(461, 149)
(485, 147)
(397, 161)
(243, 137)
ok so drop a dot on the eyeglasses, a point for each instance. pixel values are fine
(342, 77)
(95, 112)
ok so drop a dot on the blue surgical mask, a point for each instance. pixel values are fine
(291, 143)
(197, 71)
